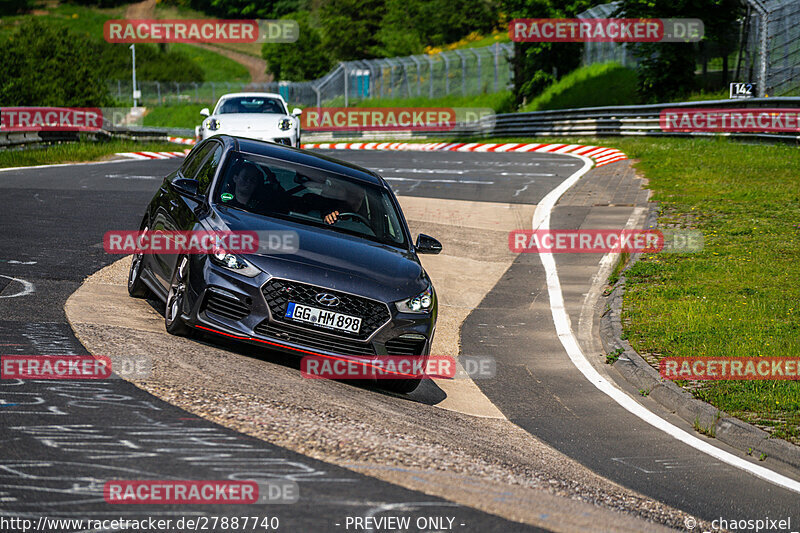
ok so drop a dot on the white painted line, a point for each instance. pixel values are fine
(422, 180)
(27, 287)
(541, 220)
(34, 167)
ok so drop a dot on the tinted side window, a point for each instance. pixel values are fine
(191, 166)
(206, 173)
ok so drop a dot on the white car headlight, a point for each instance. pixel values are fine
(285, 124)
(233, 262)
(212, 124)
(421, 303)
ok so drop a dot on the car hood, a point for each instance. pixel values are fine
(244, 122)
(331, 259)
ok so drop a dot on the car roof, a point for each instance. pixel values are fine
(303, 157)
(264, 95)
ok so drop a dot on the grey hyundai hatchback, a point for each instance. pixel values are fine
(353, 287)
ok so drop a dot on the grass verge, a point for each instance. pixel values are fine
(501, 102)
(740, 296)
(78, 152)
(594, 85)
(174, 116)
(216, 67)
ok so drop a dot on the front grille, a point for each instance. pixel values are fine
(314, 341)
(225, 306)
(400, 346)
(279, 292)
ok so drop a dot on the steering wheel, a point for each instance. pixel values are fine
(355, 216)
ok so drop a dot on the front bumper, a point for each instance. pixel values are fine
(235, 306)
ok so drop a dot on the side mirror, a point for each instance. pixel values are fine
(186, 186)
(427, 244)
(297, 111)
(205, 112)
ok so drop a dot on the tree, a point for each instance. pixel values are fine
(667, 70)
(409, 25)
(350, 28)
(13, 7)
(537, 65)
(43, 65)
(305, 59)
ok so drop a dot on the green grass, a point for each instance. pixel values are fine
(169, 11)
(501, 102)
(595, 85)
(174, 116)
(78, 152)
(215, 67)
(706, 95)
(76, 18)
(740, 296)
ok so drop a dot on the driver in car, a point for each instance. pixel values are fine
(252, 192)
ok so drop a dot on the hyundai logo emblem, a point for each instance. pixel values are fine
(327, 299)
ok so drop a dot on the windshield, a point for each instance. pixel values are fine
(310, 196)
(251, 104)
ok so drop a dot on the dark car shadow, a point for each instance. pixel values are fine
(428, 392)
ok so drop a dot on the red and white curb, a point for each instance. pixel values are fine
(599, 154)
(153, 155)
(182, 140)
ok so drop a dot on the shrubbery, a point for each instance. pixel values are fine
(342, 30)
(15, 7)
(44, 65)
(305, 59)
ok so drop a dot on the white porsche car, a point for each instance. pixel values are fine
(262, 116)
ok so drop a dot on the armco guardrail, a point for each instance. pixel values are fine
(588, 121)
(623, 120)
(13, 139)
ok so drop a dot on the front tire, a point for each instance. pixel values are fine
(176, 299)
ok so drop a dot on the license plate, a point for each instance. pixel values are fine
(323, 318)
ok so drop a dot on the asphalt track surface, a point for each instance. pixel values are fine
(60, 441)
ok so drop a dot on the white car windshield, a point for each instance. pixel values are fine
(251, 104)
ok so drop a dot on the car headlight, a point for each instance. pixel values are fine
(421, 303)
(212, 124)
(233, 262)
(285, 124)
